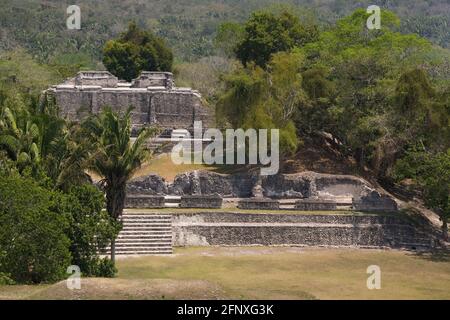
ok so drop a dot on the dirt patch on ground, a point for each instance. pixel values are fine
(319, 156)
(133, 289)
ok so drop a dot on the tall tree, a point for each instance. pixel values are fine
(266, 33)
(134, 51)
(115, 157)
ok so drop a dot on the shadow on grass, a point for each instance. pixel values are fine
(442, 255)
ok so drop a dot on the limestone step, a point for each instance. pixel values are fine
(136, 247)
(172, 205)
(172, 199)
(143, 219)
(143, 244)
(143, 241)
(140, 218)
(144, 234)
(144, 252)
(146, 216)
(287, 206)
(146, 224)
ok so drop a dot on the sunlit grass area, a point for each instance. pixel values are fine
(163, 165)
(261, 273)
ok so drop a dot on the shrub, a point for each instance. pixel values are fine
(91, 228)
(33, 243)
(5, 279)
(106, 268)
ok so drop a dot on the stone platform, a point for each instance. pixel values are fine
(336, 230)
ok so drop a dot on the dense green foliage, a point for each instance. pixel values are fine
(376, 93)
(266, 33)
(259, 99)
(135, 51)
(189, 26)
(91, 229)
(44, 231)
(33, 244)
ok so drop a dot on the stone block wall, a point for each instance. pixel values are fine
(238, 229)
(152, 95)
(144, 201)
(315, 205)
(259, 204)
(201, 201)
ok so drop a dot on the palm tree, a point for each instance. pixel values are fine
(115, 157)
(21, 142)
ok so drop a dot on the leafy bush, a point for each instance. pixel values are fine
(106, 268)
(90, 230)
(5, 279)
(32, 239)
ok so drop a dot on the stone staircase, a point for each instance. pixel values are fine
(172, 201)
(145, 234)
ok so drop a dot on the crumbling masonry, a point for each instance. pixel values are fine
(155, 99)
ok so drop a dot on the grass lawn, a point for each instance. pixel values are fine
(163, 165)
(261, 273)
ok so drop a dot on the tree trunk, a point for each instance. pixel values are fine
(444, 229)
(113, 251)
(115, 202)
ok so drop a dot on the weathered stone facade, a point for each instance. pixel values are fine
(151, 184)
(144, 201)
(247, 185)
(258, 204)
(346, 230)
(205, 182)
(155, 99)
(315, 205)
(209, 201)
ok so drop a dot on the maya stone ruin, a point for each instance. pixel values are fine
(153, 95)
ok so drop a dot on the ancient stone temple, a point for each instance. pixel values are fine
(155, 99)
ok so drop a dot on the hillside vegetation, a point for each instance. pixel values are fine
(189, 26)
